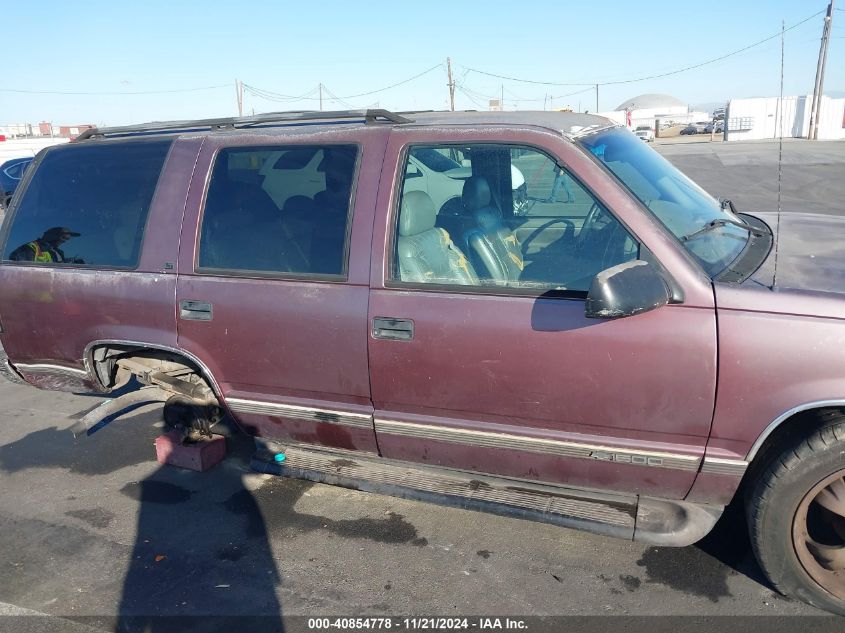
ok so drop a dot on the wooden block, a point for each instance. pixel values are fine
(199, 456)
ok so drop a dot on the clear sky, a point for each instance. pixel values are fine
(289, 48)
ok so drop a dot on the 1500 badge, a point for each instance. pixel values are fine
(627, 458)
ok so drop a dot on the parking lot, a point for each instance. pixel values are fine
(95, 527)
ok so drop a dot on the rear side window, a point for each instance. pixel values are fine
(87, 205)
(278, 210)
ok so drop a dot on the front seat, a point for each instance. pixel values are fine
(492, 245)
(426, 253)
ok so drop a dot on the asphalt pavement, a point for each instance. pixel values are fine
(811, 173)
(95, 528)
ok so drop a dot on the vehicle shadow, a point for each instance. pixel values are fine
(196, 564)
(730, 544)
(705, 568)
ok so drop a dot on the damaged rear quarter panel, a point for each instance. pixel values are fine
(51, 313)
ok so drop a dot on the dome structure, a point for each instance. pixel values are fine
(652, 102)
(644, 111)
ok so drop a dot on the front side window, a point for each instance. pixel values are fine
(501, 216)
(279, 210)
(87, 204)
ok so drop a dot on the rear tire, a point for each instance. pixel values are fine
(796, 516)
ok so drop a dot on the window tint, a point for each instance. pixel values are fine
(279, 210)
(505, 216)
(87, 204)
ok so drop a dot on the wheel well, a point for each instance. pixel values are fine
(114, 364)
(789, 432)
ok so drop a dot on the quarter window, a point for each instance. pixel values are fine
(498, 215)
(87, 204)
(279, 210)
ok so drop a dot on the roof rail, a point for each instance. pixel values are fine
(368, 116)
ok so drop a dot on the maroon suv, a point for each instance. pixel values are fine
(525, 313)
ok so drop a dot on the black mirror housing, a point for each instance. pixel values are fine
(625, 290)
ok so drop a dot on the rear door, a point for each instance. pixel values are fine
(510, 378)
(119, 205)
(273, 295)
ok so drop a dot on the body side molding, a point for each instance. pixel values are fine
(562, 448)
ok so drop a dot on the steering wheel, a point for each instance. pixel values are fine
(588, 226)
(597, 246)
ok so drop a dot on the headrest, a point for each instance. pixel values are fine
(476, 193)
(417, 213)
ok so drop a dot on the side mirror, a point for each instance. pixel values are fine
(625, 290)
(413, 171)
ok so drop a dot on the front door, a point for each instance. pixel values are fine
(276, 303)
(481, 357)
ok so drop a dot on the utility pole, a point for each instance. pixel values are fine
(829, 25)
(239, 95)
(597, 99)
(502, 100)
(451, 84)
(818, 87)
(321, 96)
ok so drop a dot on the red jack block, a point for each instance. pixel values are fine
(199, 456)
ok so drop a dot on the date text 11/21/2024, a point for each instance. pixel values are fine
(417, 623)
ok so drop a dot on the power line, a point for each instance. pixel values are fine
(648, 77)
(334, 97)
(109, 93)
(577, 92)
(544, 98)
(469, 96)
(399, 83)
(276, 96)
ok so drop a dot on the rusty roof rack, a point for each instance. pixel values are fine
(265, 120)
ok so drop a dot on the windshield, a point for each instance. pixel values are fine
(681, 205)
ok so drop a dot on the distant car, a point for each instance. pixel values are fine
(645, 133)
(11, 173)
(690, 129)
(442, 176)
(716, 127)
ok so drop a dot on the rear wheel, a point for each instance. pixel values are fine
(796, 517)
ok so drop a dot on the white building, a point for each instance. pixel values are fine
(648, 108)
(768, 117)
(14, 130)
